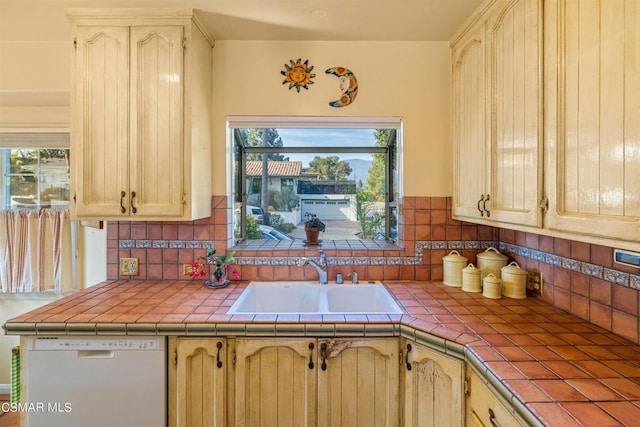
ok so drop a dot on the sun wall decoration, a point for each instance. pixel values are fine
(298, 74)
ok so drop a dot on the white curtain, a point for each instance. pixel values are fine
(36, 251)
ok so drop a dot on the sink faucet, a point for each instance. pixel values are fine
(320, 266)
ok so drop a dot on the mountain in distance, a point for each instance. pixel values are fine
(360, 169)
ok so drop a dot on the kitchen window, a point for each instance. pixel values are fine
(35, 170)
(37, 238)
(342, 170)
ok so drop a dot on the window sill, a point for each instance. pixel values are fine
(327, 245)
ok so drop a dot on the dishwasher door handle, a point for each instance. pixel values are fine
(95, 354)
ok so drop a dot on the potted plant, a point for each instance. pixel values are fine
(312, 227)
(219, 272)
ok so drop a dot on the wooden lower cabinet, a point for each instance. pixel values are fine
(275, 382)
(358, 382)
(433, 387)
(485, 408)
(197, 382)
(308, 382)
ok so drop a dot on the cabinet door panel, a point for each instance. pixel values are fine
(595, 170)
(274, 384)
(100, 131)
(156, 125)
(433, 394)
(470, 127)
(200, 384)
(360, 384)
(516, 151)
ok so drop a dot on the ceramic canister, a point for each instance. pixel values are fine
(491, 261)
(491, 287)
(514, 281)
(452, 266)
(471, 281)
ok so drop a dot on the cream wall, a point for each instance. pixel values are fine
(408, 79)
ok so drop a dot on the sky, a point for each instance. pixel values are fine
(328, 137)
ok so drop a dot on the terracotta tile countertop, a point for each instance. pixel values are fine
(565, 370)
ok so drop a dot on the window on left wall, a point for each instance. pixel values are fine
(37, 238)
(35, 170)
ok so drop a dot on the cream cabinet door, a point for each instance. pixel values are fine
(275, 382)
(497, 108)
(484, 409)
(433, 393)
(514, 34)
(358, 383)
(100, 122)
(197, 382)
(470, 124)
(592, 120)
(156, 146)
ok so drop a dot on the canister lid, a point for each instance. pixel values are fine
(454, 256)
(513, 268)
(471, 269)
(492, 279)
(492, 253)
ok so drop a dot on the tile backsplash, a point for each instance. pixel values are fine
(578, 277)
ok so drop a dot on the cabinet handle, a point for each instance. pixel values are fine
(122, 208)
(406, 357)
(133, 208)
(479, 208)
(323, 354)
(311, 347)
(218, 361)
(484, 205)
(492, 418)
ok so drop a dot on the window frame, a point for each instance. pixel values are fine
(30, 139)
(392, 154)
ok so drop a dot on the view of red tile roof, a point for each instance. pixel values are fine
(290, 168)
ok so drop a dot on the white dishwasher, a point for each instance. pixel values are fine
(95, 382)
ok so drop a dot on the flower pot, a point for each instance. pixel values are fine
(218, 277)
(312, 235)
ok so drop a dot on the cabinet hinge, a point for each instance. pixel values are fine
(233, 358)
(75, 43)
(175, 357)
(544, 204)
(467, 387)
(184, 198)
(184, 43)
(74, 197)
(400, 359)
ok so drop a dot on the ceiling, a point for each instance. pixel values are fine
(345, 20)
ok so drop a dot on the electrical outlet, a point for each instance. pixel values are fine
(189, 269)
(534, 282)
(128, 266)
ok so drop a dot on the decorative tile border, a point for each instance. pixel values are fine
(592, 270)
(420, 247)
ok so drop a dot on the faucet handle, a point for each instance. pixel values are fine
(354, 277)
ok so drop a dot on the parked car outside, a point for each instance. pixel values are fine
(271, 233)
(256, 212)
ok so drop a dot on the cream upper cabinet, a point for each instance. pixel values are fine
(141, 109)
(197, 382)
(497, 105)
(358, 382)
(592, 117)
(471, 127)
(275, 382)
(432, 384)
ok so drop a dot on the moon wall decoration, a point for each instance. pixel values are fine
(348, 86)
